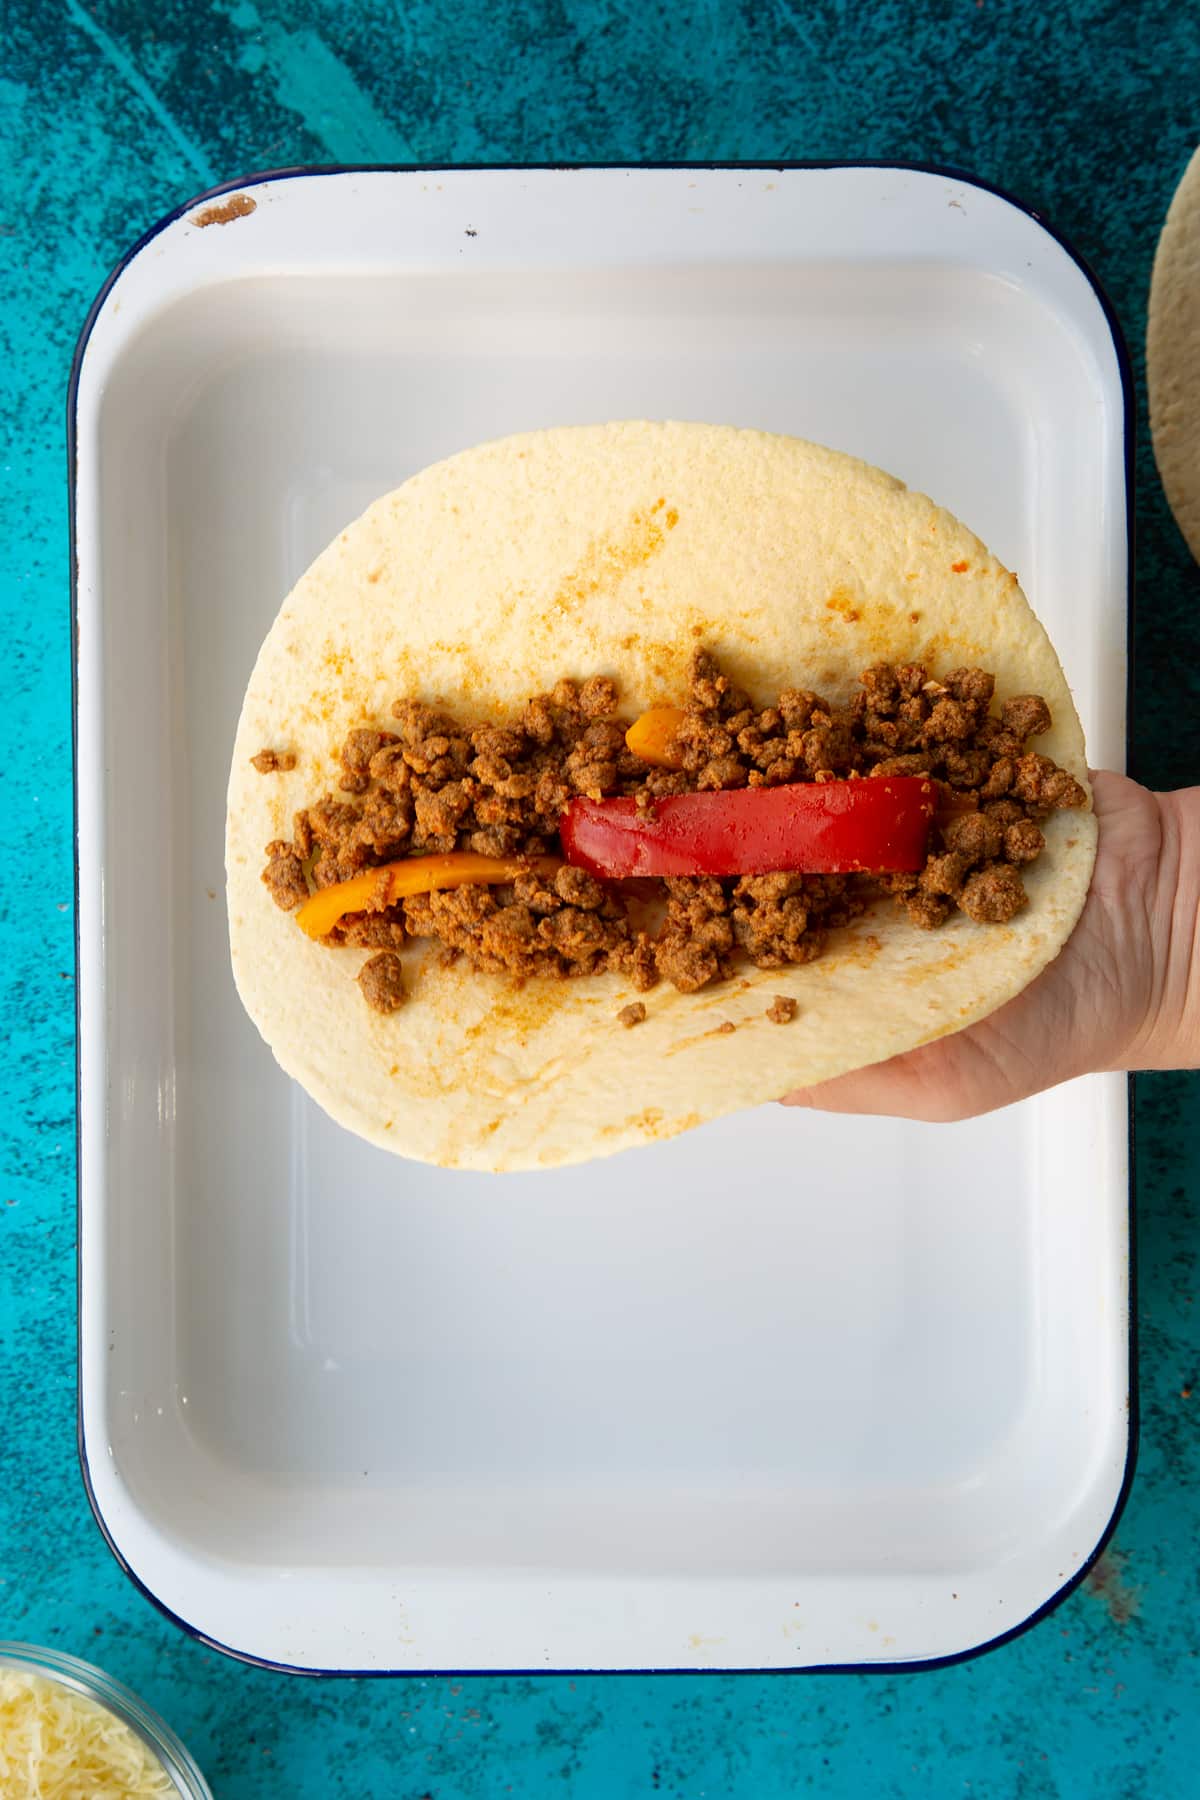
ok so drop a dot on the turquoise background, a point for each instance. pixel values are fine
(110, 115)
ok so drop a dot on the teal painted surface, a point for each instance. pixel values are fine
(114, 112)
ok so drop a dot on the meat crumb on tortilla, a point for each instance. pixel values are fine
(381, 979)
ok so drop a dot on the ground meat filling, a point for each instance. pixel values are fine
(381, 979)
(273, 762)
(284, 876)
(431, 784)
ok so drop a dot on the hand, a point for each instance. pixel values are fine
(1123, 993)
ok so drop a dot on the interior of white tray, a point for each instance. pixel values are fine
(782, 1342)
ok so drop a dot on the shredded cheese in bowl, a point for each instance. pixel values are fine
(68, 1732)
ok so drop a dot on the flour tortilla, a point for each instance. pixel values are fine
(1173, 355)
(615, 549)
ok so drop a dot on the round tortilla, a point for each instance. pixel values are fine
(615, 549)
(1173, 355)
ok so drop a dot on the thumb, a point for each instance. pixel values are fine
(952, 1079)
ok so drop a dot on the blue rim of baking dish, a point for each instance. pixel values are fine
(1128, 397)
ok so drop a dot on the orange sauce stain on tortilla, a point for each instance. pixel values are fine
(942, 651)
(960, 568)
(327, 703)
(954, 958)
(854, 950)
(608, 559)
(945, 965)
(515, 1008)
(726, 1028)
(649, 1121)
(883, 629)
(472, 680)
(841, 601)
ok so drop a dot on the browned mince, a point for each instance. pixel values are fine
(633, 1014)
(381, 979)
(271, 762)
(782, 1010)
(429, 783)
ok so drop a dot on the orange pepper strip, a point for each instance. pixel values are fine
(377, 888)
(652, 737)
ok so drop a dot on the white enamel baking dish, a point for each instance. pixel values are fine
(787, 1392)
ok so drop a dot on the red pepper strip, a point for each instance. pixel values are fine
(827, 827)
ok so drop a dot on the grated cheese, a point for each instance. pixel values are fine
(56, 1744)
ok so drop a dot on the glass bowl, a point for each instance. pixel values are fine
(94, 1684)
